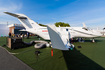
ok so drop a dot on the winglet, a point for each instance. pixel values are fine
(55, 38)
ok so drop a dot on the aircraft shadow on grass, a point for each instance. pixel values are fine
(91, 40)
(77, 61)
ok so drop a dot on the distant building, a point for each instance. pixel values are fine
(14, 28)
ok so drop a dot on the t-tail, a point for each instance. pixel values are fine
(26, 21)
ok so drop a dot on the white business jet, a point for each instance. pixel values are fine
(59, 36)
(101, 31)
(94, 30)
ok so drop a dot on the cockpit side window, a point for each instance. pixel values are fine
(85, 29)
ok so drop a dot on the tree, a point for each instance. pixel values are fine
(57, 24)
(62, 24)
(42, 25)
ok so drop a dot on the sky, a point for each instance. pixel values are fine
(74, 12)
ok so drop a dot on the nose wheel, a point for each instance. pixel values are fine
(93, 41)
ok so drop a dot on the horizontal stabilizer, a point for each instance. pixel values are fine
(55, 38)
(16, 15)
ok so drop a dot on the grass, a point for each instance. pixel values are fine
(90, 57)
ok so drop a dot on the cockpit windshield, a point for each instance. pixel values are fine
(87, 29)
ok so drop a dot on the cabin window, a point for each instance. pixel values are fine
(66, 29)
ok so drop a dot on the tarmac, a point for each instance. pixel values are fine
(10, 62)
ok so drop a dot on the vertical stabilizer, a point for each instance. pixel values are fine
(84, 25)
(26, 21)
(97, 28)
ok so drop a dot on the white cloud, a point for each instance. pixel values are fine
(93, 23)
(10, 7)
(10, 21)
(92, 17)
(97, 20)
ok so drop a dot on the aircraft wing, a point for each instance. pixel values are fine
(16, 15)
(55, 38)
